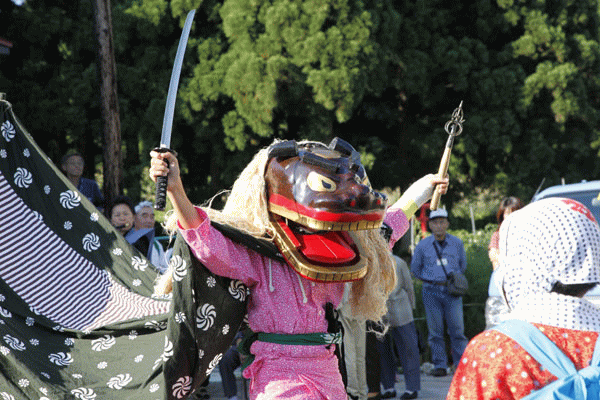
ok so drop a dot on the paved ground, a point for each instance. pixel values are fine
(432, 388)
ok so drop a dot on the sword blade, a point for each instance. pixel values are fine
(165, 138)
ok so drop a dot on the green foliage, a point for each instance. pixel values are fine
(152, 11)
(286, 67)
(51, 79)
(478, 273)
(479, 205)
(383, 75)
(564, 43)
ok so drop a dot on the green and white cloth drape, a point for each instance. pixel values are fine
(78, 319)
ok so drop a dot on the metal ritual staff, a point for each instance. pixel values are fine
(165, 138)
(454, 128)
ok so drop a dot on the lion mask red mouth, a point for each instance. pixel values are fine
(317, 197)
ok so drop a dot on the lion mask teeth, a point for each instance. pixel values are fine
(323, 188)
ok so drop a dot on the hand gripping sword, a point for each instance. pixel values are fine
(165, 138)
(454, 128)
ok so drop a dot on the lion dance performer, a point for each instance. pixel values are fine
(316, 204)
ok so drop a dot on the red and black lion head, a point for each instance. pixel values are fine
(318, 196)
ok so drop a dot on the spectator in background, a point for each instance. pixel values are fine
(500, 308)
(373, 360)
(434, 257)
(507, 206)
(551, 258)
(144, 216)
(402, 334)
(360, 360)
(353, 350)
(144, 229)
(72, 165)
(423, 218)
(122, 214)
(122, 217)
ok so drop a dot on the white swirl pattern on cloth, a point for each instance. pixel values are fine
(100, 301)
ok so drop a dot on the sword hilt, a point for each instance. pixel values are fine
(160, 200)
(161, 193)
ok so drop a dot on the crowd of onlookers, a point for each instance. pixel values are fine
(136, 222)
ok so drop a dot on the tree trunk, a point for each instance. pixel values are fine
(112, 163)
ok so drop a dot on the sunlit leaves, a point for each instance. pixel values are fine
(151, 10)
(564, 43)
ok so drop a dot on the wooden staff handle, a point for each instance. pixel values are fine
(443, 171)
(453, 128)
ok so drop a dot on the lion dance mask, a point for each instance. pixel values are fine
(317, 197)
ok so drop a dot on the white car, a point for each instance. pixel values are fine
(587, 193)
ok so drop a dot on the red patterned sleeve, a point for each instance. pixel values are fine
(494, 366)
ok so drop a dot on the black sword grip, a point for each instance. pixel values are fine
(160, 200)
(161, 193)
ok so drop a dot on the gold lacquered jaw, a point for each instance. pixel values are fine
(310, 270)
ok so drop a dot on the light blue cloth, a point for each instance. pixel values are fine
(571, 384)
(134, 235)
(494, 285)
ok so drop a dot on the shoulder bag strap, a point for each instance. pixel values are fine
(440, 258)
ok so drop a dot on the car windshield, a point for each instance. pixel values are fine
(589, 198)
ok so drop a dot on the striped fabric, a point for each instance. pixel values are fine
(78, 318)
(74, 292)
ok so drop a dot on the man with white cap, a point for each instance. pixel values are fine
(144, 228)
(144, 215)
(435, 257)
(550, 259)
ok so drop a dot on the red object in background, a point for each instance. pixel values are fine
(423, 218)
(5, 46)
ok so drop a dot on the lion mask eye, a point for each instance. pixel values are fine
(320, 183)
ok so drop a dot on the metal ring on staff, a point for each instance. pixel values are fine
(454, 128)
